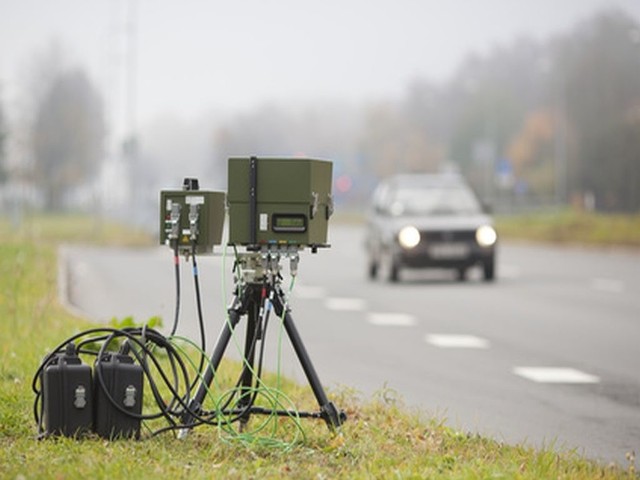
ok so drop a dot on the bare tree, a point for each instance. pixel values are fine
(67, 135)
(602, 93)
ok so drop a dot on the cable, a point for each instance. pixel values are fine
(176, 263)
(271, 395)
(196, 282)
(139, 342)
(142, 344)
(172, 370)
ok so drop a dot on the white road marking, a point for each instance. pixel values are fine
(309, 292)
(456, 341)
(609, 285)
(391, 319)
(345, 304)
(555, 375)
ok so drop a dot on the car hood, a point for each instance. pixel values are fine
(441, 222)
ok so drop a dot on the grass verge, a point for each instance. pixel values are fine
(381, 439)
(566, 227)
(573, 228)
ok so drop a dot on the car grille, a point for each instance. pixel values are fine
(446, 236)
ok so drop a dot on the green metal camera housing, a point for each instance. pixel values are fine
(279, 201)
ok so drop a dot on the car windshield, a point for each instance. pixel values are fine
(445, 200)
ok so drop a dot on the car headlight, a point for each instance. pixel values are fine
(409, 237)
(486, 236)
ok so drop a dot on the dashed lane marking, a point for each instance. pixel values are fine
(456, 341)
(309, 292)
(555, 375)
(391, 319)
(344, 304)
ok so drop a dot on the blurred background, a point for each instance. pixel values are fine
(104, 103)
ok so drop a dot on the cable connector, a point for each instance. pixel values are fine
(294, 260)
(194, 217)
(174, 221)
(125, 348)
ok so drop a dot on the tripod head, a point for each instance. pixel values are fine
(263, 266)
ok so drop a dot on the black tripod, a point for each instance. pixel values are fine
(261, 283)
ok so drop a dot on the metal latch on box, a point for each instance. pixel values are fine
(130, 397)
(80, 397)
(314, 206)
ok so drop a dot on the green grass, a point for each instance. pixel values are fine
(77, 228)
(573, 228)
(565, 227)
(381, 439)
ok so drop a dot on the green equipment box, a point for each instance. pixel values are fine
(191, 218)
(279, 201)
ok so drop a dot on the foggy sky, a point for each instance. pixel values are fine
(194, 56)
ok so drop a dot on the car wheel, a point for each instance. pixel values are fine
(461, 274)
(489, 270)
(373, 270)
(394, 272)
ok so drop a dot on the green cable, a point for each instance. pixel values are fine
(191, 362)
(261, 387)
(272, 396)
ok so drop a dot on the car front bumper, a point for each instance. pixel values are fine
(455, 254)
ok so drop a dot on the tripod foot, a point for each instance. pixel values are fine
(332, 416)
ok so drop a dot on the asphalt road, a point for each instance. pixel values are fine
(549, 354)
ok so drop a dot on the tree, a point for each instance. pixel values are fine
(3, 141)
(486, 105)
(325, 131)
(601, 69)
(67, 135)
(531, 153)
(396, 139)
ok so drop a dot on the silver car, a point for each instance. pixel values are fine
(429, 221)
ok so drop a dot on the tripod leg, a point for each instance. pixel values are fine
(252, 334)
(209, 374)
(328, 410)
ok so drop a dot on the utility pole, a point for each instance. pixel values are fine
(130, 114)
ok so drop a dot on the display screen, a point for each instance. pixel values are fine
(283, 222)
